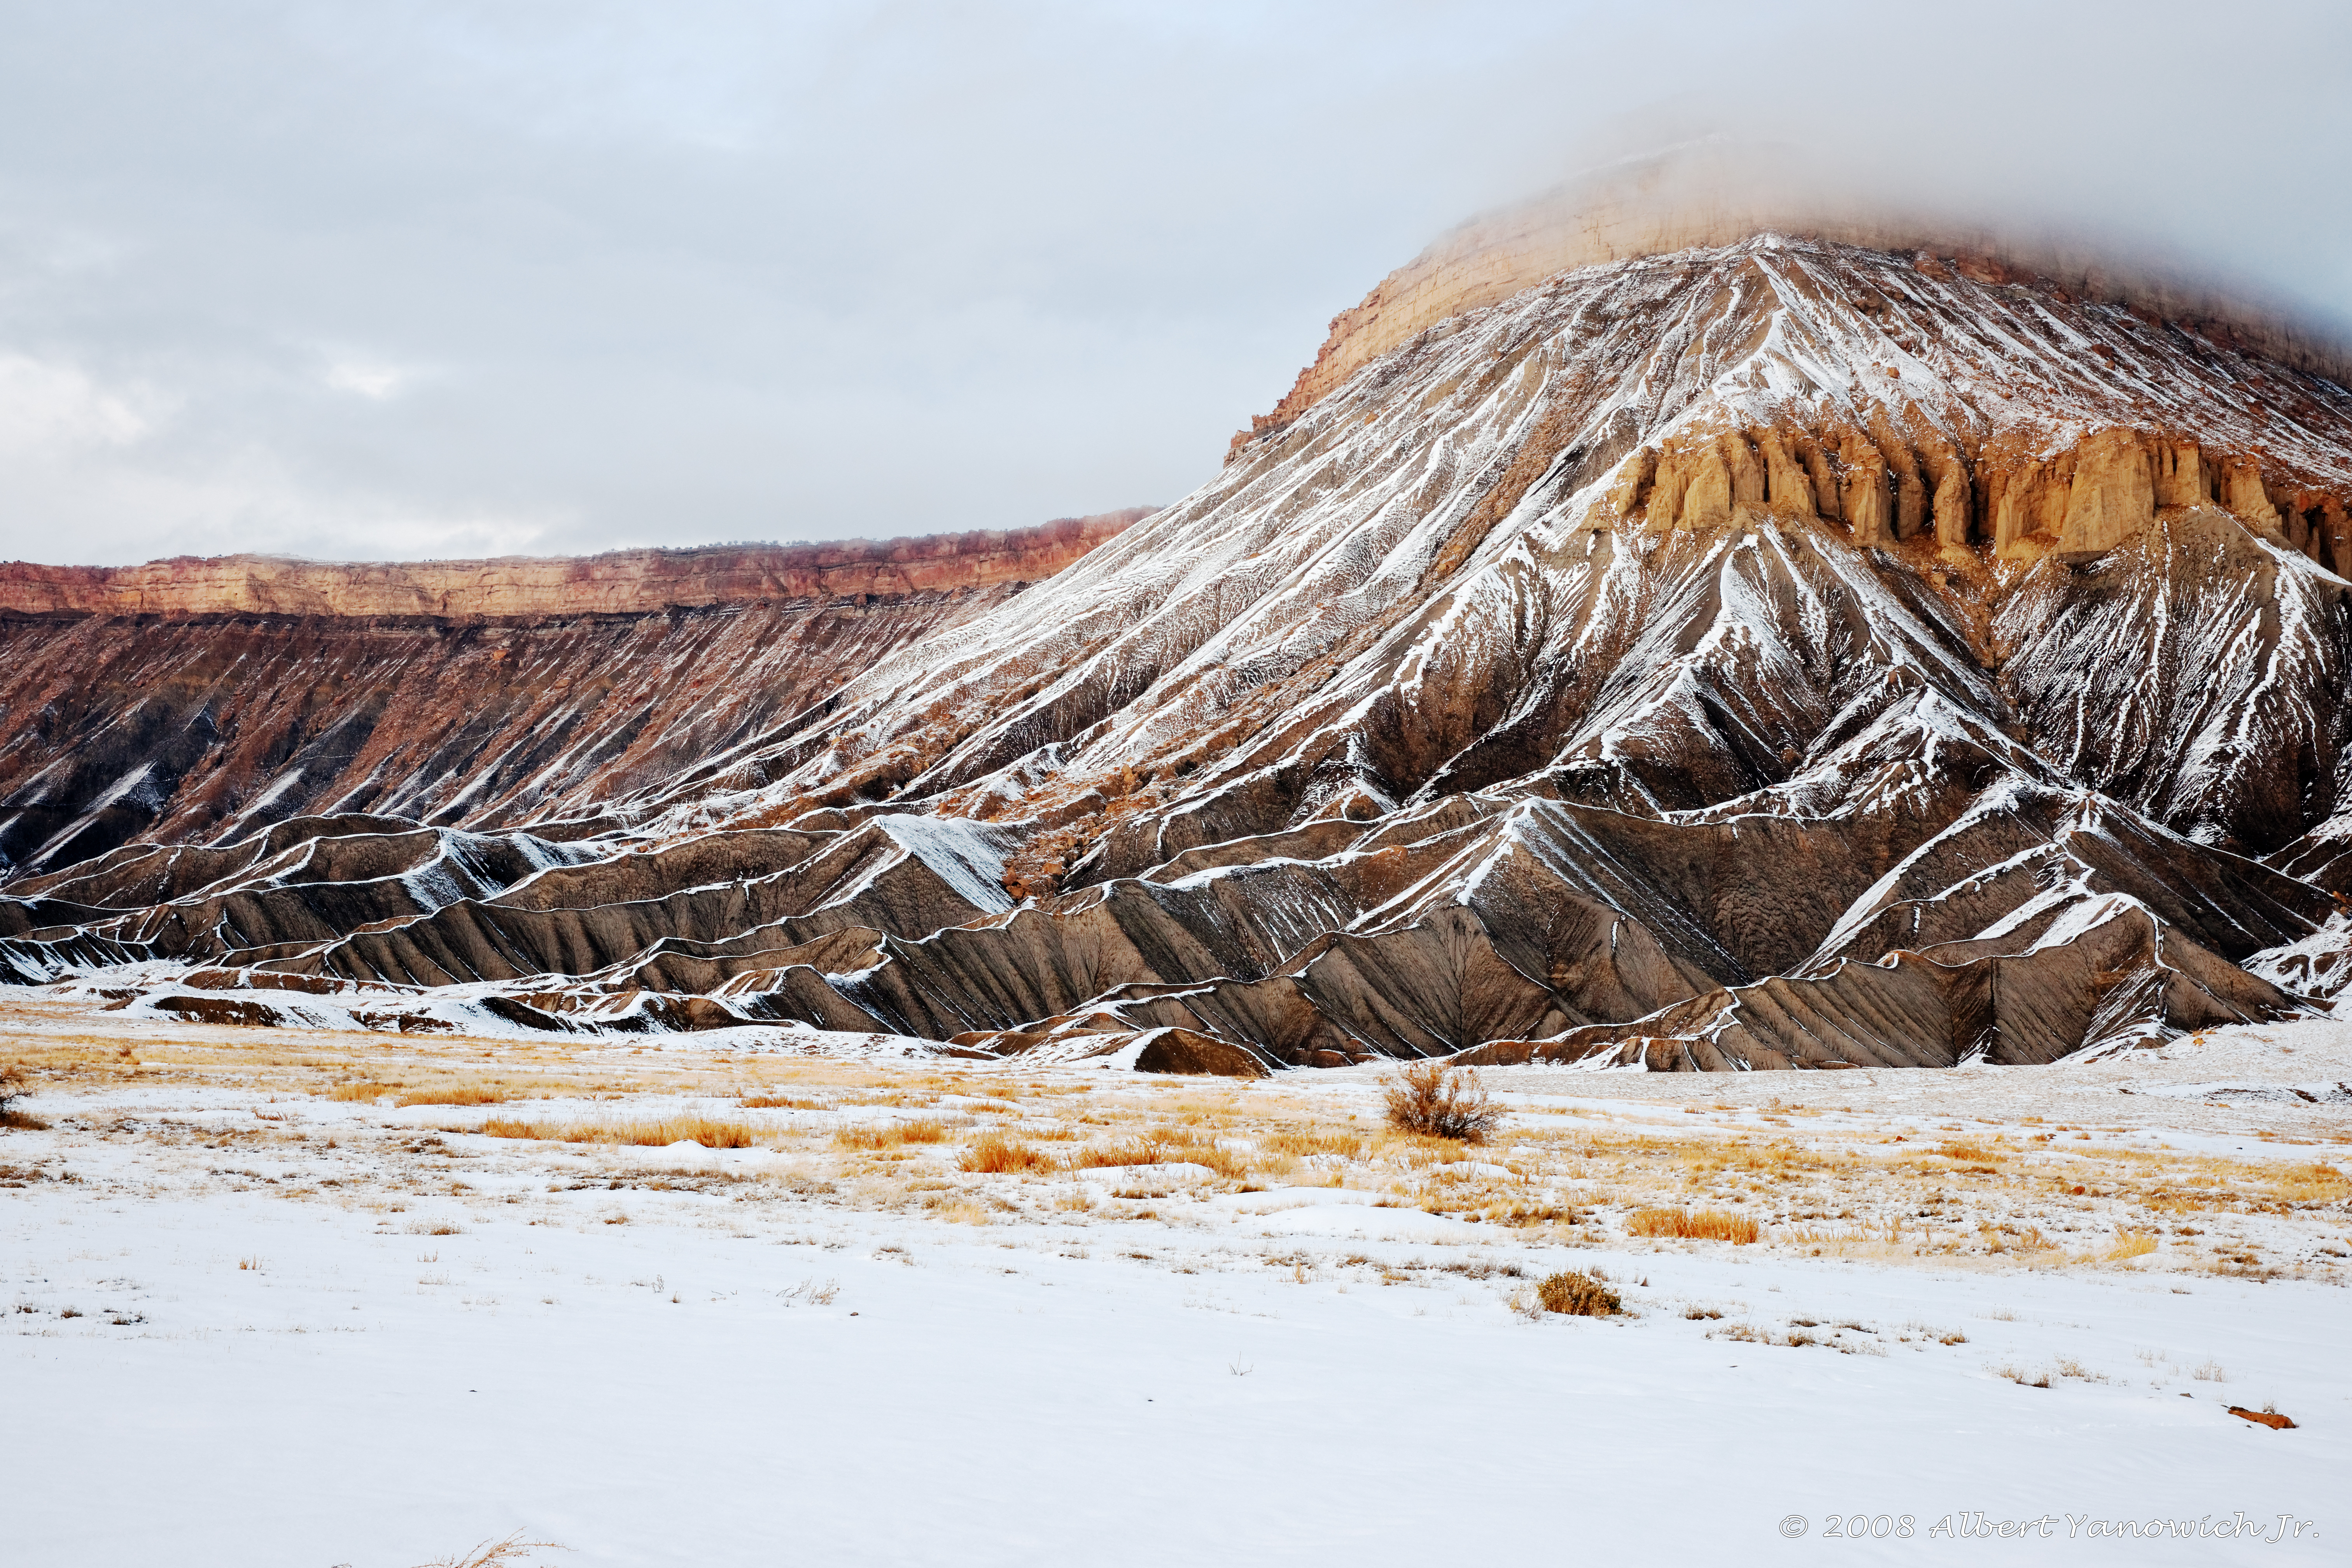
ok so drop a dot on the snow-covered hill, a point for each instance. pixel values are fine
(1778, 652)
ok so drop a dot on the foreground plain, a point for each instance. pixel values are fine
(279, 1297)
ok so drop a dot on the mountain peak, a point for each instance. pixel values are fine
(1716, 191)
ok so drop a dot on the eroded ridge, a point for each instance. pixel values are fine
(1767, 654)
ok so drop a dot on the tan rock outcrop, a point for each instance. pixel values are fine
(2028, 503)
(2243, 493)
(2180, 475)
(2086, 499)
(2114, 494)
(1867, 497)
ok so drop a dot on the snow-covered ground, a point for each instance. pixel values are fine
(387, 1338)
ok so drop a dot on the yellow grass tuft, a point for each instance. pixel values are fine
(368, 1090)
(995, 1154)
(1160, 1149)
(890, 1135)
(1694, 1224)
(1347, 1145)
(703, 1129)
(455, 1094)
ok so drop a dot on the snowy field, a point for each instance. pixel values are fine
(252, 1322)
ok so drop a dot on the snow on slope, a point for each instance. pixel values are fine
(1589, 652)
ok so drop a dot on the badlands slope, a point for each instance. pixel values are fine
(1791, 648)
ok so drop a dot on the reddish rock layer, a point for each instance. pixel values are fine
(620, 582)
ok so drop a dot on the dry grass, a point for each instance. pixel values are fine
(1159, 1148)
(890, 1135)
(1304, 1142)
(995, 1154)
(1577, 1295)
(703, 1129)
(1433, 1101)
(1694, 1224)
(455, 1094)
(1949, 1190)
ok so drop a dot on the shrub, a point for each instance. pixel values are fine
(1694, 1224)
(1437, 1101)
(12, 1090)
(513, 1550)
(1577, 1295)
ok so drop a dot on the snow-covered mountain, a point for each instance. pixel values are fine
(1787, 648)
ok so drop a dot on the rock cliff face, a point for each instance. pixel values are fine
(1775, 651)
(623, 582)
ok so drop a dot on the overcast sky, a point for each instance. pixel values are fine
(377, 280)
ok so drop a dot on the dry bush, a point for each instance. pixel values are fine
(890, 1135)
(1577, 1295)
(455, 1094)
(703, 1129)
(13, 1088)
(779, 1102)
(513, 1551)
(1694, 1224)
(1433, 1101)
(367, 1090)
(995, 1154)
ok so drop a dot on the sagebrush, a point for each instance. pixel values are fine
(12, 1088)
(1577, 1295)
(1437, 1101)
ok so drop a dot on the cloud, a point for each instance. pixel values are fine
(602, 273)
(371, 379)
(51, 409)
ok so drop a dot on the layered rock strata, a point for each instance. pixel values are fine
(1772, 653)
(621, 582)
